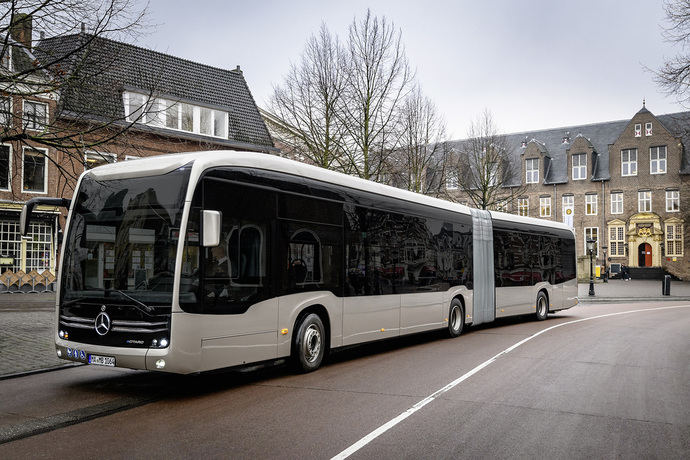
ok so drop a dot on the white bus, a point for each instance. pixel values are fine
(192, 262)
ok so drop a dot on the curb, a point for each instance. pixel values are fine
(595, 299)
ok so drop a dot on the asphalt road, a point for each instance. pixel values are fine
(614, 386)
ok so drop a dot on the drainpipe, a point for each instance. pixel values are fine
(555, 203)
(603, 225)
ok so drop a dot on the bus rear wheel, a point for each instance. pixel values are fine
(542, 306)
(456, 318)
(309, 345)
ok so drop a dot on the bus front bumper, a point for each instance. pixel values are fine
(131, 358)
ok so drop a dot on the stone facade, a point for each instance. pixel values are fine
(584, 172)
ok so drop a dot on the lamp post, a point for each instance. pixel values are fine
(604, 248)
(590, 249)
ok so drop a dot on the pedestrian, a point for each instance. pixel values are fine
(625, 273)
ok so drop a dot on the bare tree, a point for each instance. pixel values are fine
(674, 74)
(51, 69)
(377, 79)
(482, 162)
(302, 112)
(423, 151)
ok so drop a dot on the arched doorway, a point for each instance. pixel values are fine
(644, 252)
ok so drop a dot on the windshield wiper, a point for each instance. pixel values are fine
(146, 309)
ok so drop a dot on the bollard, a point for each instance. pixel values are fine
(666, 285)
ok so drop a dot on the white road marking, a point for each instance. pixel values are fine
(391, 423)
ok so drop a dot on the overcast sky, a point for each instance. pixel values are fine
(535, 64)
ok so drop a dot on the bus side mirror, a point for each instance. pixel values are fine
(210, 227)
(25, 216)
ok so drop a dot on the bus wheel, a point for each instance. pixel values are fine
(456, 318)
(542, 306)
(309, 344)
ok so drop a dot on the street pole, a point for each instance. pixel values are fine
(590, 248)
(605, 276)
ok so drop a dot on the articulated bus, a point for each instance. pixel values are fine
(192, 262)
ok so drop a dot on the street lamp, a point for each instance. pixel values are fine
(590, 249)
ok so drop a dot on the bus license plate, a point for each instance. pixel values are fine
(102, 360)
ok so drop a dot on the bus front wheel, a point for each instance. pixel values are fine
(456, 318)
(309, 344)
(542, 306)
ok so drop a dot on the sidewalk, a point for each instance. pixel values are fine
(27, 324)
(631, 291)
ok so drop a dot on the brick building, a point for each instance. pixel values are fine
(156, 103)
(621, 183)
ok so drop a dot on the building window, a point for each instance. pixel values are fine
(532, 170)
(523, 206)
(493, 174)
(35, 115)
(545, 206)
(638, 130)
(617, 241)
(629, 162)
(648, 129)
(34, 170)
(592, 232)
(452, 180)
(5, 111)
(94, 159)
(617, 203)
(644, 201)
(657, 160)
(591, 205)
(672, 201)
(5, 167)
(674, 240)
(579, 166)
(39, 247)
(10, 244)
(175, 115)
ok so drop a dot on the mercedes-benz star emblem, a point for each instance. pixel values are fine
(102, 324)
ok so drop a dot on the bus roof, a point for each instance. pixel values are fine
(163, 164)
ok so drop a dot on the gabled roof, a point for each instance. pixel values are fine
(599, 135)
(120, 67)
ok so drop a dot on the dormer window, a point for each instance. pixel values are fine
(638, 130)
(35, 115)
(532, 170)
(175, 115)
(579, 166)
(648, 129)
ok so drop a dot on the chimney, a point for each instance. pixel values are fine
(20, 30)
(238, 70)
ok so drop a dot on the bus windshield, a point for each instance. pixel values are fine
(122, 239)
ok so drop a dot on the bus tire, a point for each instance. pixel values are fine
(309, 344)
(542, 306)
(456, 318)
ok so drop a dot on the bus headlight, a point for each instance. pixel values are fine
(61, 334)
(160, 364)
(164, 343)
(59, 353)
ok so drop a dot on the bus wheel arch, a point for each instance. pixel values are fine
(542, 305)
(456, 316)
(310, 339)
